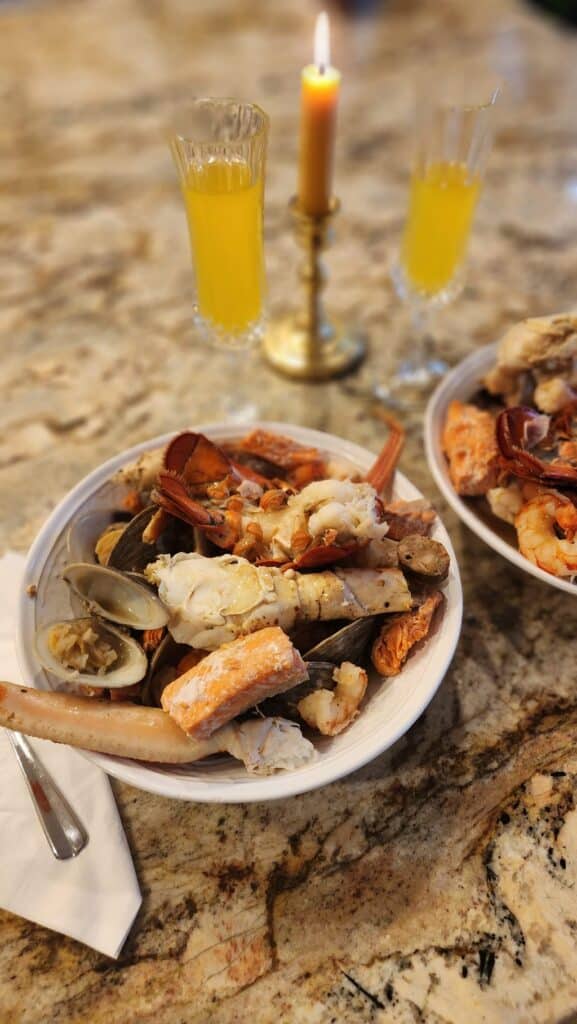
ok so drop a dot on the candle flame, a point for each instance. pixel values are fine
(322, 49)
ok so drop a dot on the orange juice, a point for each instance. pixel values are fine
(224, 210)
(442, 204)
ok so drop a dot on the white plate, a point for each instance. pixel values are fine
(461, 383)
(391, 707)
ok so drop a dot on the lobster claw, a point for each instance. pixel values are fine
(171, 495)
(197, 460)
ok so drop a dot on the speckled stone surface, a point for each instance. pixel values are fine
(439, 884)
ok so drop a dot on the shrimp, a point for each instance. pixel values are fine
(330, 711)
(537, 524)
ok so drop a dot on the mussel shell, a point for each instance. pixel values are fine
(130, 667)
(130, 553)
(346, 644)
(168, 653)
(114, 596)
(285, 704)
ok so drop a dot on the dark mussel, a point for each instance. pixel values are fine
(348, 643)
(132, 554)
(162, 669)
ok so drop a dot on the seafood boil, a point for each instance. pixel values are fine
(515, 443)
(234, 603)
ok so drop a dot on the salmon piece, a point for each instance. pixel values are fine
(470, 444)
(233, 678)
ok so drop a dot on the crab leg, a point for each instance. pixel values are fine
(212, 601)
(147, 734)
(127, 730)
(381, 473)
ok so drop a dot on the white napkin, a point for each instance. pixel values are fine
(95, 896)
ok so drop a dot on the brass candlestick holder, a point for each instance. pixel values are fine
(307, 345)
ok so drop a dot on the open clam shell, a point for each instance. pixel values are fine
(346, 644)
(114, 596)
(129, 667)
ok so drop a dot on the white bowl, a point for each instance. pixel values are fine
(461, 384)
(390, 709)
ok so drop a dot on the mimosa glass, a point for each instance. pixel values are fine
(452, 142)
(220, 153)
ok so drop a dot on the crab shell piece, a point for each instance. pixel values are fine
(513, 439)
(130, 666)
(114, 596)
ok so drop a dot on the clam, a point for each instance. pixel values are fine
(90, 652)
(114, 596)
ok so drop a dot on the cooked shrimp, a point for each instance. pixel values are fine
(330, 711)
(537, 524)
(401, 633)
(470, 444)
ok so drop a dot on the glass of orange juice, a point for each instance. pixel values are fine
(453, 136)
(220, 153)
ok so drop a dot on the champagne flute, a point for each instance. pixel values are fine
(220, 153)
(453, 136)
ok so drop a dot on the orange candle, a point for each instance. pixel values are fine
(320, 84)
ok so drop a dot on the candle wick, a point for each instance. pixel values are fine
(322, 69)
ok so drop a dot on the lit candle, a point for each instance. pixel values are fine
(319, 100)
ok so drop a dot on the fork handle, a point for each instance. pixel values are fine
(64, 832)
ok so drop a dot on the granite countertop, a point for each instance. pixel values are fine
(438, 884)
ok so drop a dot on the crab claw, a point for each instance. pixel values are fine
(518, 429)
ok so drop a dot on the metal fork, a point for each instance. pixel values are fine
(64, 832)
